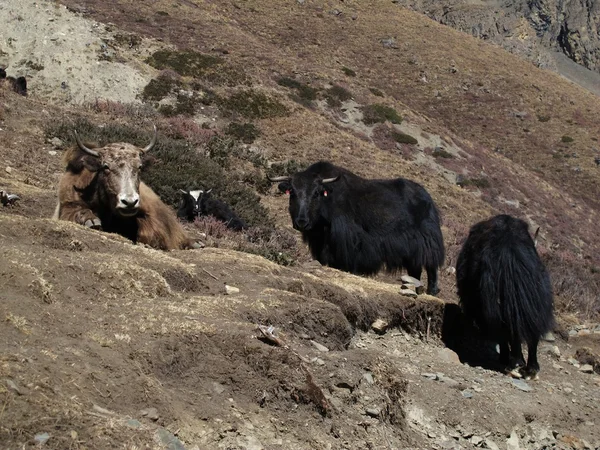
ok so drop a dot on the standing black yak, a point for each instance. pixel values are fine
(360, 225)
(197, 203)
(504, 288)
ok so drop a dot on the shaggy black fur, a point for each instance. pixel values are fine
(19, 85)
(206, 205)
(505, 289)
(360, 226)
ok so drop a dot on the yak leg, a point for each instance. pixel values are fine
(530, 371)
(79, 213)
(432, 281)
(504, 353)
(414, 271)
(516, 360)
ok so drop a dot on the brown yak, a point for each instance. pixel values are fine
(101, 189)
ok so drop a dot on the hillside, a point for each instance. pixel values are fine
(114, 345)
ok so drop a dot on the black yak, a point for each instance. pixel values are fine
(101, 188)
(505, 289)
(19, 85)
(360, 226)
(197, 203)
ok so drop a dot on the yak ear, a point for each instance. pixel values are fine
(183, 192)
(285, 186)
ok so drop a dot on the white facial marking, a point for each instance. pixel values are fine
(196, 194)
(128, 197)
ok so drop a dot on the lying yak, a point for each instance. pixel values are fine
(504, 288)
(101, 188)
(19, 85)
(197, 203)
(360, 226)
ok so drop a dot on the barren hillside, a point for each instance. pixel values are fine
(115, 345)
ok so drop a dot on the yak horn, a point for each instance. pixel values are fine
(329, 180)
(89, 151)
(275, 179)
(152, 142)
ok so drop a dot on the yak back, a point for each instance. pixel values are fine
(210, 206)
(502, 282)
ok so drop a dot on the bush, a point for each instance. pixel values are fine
(566, 139)
(376, 92)
(403, 138)
(349, 72)
(377, 113)
(335, 95)
(186, 63)
(245, 132)
(252, 105)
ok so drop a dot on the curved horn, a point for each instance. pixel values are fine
(152, 142)
(329, 180)
(82, 147)
(276, 179)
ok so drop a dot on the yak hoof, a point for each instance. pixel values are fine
(514, 372)
(93, 224)
(529, 373)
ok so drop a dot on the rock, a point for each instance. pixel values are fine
(431, 376)
(549, 337)
(522, 385)
(230, 290)
(491, 445)
(379, 326)
(586, 368)
(132, 423)
(12, 386)
(150, 413)
(450, 270)
(554, 351)
(218, 387)
(410, 280)
(567, 390)
(164, 437)
(412, 287)
(319, 347)
(52, 153)
(573, 362)
(512, 443)
(56, 142)
(408, 293)
(447, 380)
(368, 377)
(448, 355)
(373, 412)
(584, 332)
(467, 393)
(8, 169)
(572, 332)
(41, 438)
(476, 440)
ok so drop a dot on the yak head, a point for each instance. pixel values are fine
(117, 167)
(192, 200)
(308, 195)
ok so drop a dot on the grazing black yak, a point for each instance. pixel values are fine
(504, 287)
(197, 203)
(360, 226)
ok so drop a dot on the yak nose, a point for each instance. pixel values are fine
(129, 201)
(302, 223)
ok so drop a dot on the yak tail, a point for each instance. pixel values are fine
(517, 292)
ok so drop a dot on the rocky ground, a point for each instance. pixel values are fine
(112, 345)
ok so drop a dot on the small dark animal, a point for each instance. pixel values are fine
(504, 288)
(8, 199)
(19, 85)
(101, 188)
(360, 226)
(197, 203)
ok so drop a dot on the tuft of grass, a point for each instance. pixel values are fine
(252, 105)
(439, 152)
(376, 92)
(245, 132)
(335, 95)
(404, 138)
(159, 88)
(186, 63)
(349, 72)
(543, 118)
(304, 95)
(481, 183)
(566, 139)
(378, 113)
(289, 167)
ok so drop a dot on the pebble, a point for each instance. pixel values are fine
(431, 376)
(229, 290)
(512, 443)
(410, 280)
(522, 385)
(8, 169)
(133, 423)
(447, 380)
(169, 440)
(218, 387)
(379, 326)
(573, 362)
(491, 445)
(150, 413)
(14, 387)
(586, 368)
(467, 393)
(554, 351)
(373, 412)
(368, 377)
(52, 152)
(476, 440)
(448, 355)
(41, 438)
(319, 347)
(408, 293)
(549, 337)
